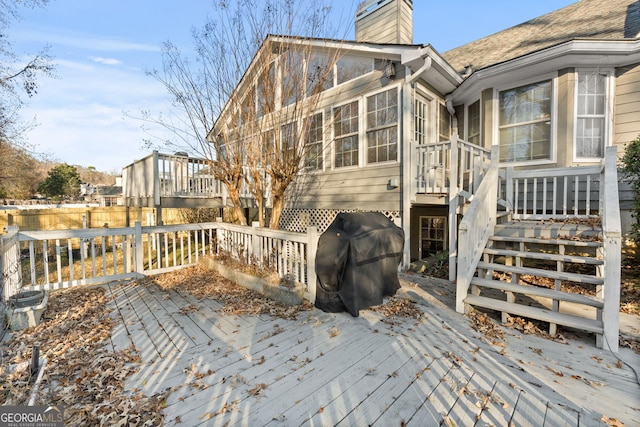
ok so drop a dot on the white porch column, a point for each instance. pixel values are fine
(406, 151)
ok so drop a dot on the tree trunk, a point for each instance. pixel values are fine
(277, 206)
(238, 213)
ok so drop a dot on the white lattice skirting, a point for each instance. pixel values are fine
(298, 220)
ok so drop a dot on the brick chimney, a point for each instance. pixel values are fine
(385, 21)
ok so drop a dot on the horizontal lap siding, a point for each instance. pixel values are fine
(363, 188)
(392, 23)
(627, 106)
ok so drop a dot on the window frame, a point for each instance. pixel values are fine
(322, 143)
(608, 109)
(553, 117)
(467, 125)
(365, 102)
(358, 134)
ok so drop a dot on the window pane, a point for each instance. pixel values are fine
(349, 67)
(525, 125)
(474, 123)
(315, 141)
(591, 118)
(346, 133)
(382, 127)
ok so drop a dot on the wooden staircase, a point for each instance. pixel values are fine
(548, 271)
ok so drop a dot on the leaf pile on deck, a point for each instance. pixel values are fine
(203, 283)
(82, 374)
(399, 307)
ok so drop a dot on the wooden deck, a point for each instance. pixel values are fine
(332, 369)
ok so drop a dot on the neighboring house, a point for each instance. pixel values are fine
(109, 195)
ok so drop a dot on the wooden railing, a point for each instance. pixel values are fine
(552, 192)
(291, 255)
(475, 229)
(439, 168)
(68, 258)
(164, 175)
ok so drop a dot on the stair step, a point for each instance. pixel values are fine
(544, 315)
(543, 256)
(551, 274)
(538, 291)
(565, 242)
(546, 229)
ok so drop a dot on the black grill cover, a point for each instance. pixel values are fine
(357, 262)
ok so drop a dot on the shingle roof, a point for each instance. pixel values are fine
(590, 19)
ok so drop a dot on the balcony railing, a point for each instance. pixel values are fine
(439, 168)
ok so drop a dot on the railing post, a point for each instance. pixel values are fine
(312, 250)
(454, 194)
(509, 190)
(612, 231)
(10, 269)
(255, 244)
(139, 252)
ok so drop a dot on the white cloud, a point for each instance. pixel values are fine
(106, 61)
(60, 37)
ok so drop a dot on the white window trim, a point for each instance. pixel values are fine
(333, 134)
(325, 148)
(431, 99)
(554, 116)
(608, 114)
(365, 123)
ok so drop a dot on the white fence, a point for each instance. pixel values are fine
(34, 260)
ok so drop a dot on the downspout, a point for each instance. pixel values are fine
(408, 158)
(419, 71)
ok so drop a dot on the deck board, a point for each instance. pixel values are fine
(328, 369)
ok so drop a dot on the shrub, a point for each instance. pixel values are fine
(631, 171)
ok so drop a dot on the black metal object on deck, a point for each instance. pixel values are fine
(357, 262)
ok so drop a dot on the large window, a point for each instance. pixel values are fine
(315, 139)
(525, 122)
(382, 127)
(591, 109)
(473, 123)
(345, 119)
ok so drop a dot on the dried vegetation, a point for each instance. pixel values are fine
(82, 373)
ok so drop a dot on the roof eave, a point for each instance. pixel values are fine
(574, 53)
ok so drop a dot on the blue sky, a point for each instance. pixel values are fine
(101, 49)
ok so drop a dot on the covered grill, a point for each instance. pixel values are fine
(357, 262)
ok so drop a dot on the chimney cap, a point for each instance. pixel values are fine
(368, 6)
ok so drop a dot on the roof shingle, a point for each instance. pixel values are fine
(586, 19)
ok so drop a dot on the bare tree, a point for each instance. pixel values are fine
(246, 100)
(17, 76)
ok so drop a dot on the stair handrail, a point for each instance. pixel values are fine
(476, 227)
(612, 246)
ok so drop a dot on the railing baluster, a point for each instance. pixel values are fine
(32, 263)
(535, 196)
(576, 195)
(45, 253)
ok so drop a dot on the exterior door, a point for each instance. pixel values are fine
(433, 235)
